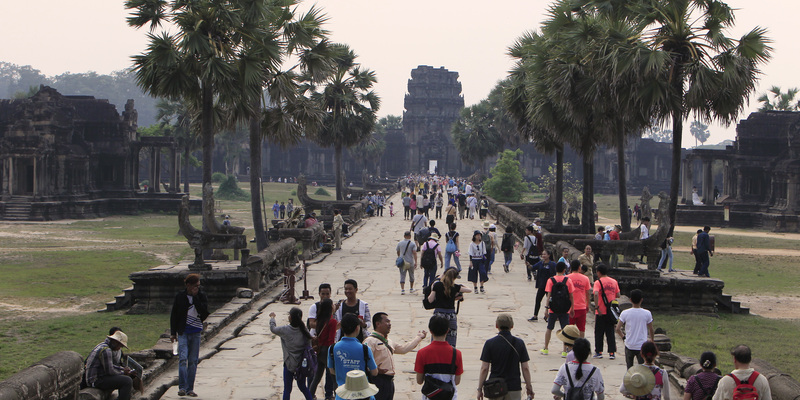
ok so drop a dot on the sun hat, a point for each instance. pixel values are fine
(492, 226)
(120, 337)
(639, 380)
(486, 224)
(569, 334)
(356, 386)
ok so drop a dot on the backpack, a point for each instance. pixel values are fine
(576, 393)
(708, 393)
(426, 291)
(308, 363)
(451, 244)
(559, 296)
(428, 260)
(423, 235)
(745, 390)
(487, 242)
(506, 245)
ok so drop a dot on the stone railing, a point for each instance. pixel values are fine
(269, 264)
(55, 377)
(310, 238)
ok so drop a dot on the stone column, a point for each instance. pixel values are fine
(6, 189)
(791, 192)
(173, 182)
(157, 160)
(708, 183)
(152, 173)
(687, 181)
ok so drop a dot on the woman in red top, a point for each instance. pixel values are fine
(326, 337)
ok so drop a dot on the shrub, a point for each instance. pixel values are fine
(319, 192)
(506, 183)
(230, 190)
(294, 192)
(218, 177)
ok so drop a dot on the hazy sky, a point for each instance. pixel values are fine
(392, 38)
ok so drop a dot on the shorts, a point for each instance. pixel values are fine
(403, 272)
(563, 319)
(579, 319)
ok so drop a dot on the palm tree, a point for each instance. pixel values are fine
(780, 101)
(197, 62)
(707, 73)
(350, 104)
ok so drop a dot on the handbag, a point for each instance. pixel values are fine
(612, 308)
(401, 262)
(494, 388)
(436, 389)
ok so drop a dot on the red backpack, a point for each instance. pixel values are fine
(745, 390)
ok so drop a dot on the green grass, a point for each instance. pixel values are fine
(731, 240)
(24, 342)
(770, 339)
(745, 274)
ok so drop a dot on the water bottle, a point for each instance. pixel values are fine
(305, 363)
(175, 348)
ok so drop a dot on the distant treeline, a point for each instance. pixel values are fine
(22, 81)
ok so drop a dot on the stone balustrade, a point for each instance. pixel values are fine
(55, 377)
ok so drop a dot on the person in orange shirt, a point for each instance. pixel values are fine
(604, 321)
(583, 289)
(560, 302)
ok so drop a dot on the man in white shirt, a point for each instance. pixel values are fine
(635, 327)
(645, 228)
(741, 361)
(418, 222)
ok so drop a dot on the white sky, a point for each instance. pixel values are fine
(467, 36)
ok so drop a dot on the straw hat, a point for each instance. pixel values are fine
(120, 337)
(356, 386)
(486, 224)
(569, 334)
(639, 380)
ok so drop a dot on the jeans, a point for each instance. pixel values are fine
(508, 256)
(288, 378)
(447, 256)
(322, 368)
(439, 212)
(188, 353)
(490, 260)
(704, 262)
(540, 293)
(667, 252)
(430, 276)
(123, 383)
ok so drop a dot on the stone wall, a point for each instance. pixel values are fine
(55, 377)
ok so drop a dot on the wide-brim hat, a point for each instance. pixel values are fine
(356, 386)
(639, 380)
(569, 334)
(486, 224)
(120, 337)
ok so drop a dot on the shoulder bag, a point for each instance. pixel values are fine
(436, 389)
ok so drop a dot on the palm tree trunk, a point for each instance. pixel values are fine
(186, 154)
(587, 208)
(674, 183)
(255, 178)
(622, 181)
(559, 195)
(337, 165)
(207, 131)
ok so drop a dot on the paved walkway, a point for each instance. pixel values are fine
(250, 364)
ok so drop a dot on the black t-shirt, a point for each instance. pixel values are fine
(347, 309)
(504, 360)
(442, 301)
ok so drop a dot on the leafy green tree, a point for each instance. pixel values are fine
(483, 129)
(506, 183)
(350, 104)
(700, 131)
(658, 133)
(184, 128)
(775, 99)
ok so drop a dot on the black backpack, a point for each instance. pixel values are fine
(506, 245)
(429, 257)
(559, 296)
(423, 235)
(576, 393)
(426, 291)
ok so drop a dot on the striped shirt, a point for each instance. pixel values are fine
(193, 322)
(100, 362)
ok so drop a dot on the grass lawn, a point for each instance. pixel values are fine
(26, 341)
(746, 275)
(769, 339)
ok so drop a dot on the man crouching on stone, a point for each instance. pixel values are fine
(102, 373)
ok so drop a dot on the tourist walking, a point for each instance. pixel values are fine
(635, 327)
(450, 213)
(439, 203)
(477, 256)
(462, 205)
(338, 222)
(502, 357)
(472, 204)
(507, 247)
(438, 360)
(639, 382)
(189, 310)
(582, 295)
(417, 224)
(742, 373)
(703, 384)
(407, 249)
(383, 350)
(704, 251)
(694, 252)
(430, 252)
(326, 337)
(353, 305)
(666, 252)
(444, 294)
(530, 251)
(543, 270)
(587, 260)
(406, 206)
(451, 247)
(606, 290)
(102, 373)
(295, 338)
(579, 374)
(560, 301)
(349, 353)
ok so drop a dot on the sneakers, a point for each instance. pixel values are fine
(402, 291)
(563, 354)
(545, 352)
(181, 392)
(533, 318)
(598, 355)
(611, 356)
(191, 394)
(482, 290)
(412, 290)
(529, 279)
(505, 268)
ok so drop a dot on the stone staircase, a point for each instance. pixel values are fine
(725, 303)
(18, 208)
(121, 301)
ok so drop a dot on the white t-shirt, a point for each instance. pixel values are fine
(418, 222)
(636, 320)
(595, 384)
(645, 232)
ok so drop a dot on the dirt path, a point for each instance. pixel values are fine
(771, 306)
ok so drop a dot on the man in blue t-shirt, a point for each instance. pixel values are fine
(349, 354)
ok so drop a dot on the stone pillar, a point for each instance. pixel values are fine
(708, 183)
(153, 184)
(792, 186)
(7, 167)
(135, 166)
(687, 181)
(173, 182)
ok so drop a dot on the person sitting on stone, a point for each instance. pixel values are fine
(125, 361)
(103, 374)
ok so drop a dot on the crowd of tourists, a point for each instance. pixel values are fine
(344, 350)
